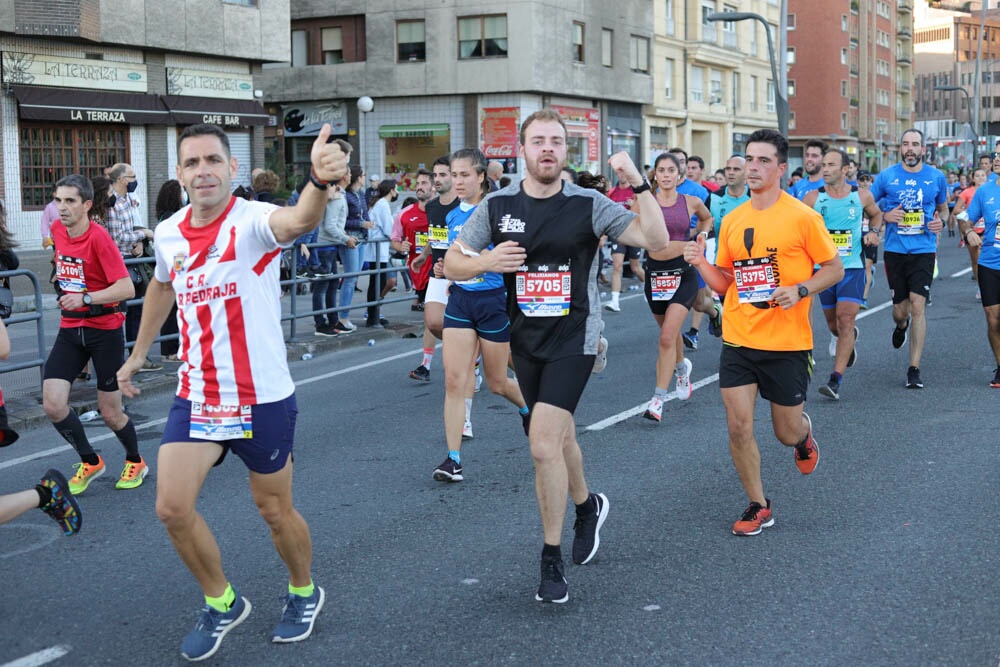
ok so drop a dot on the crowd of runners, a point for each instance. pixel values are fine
(511, 282)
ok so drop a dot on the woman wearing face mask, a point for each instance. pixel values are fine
(671, 283)
(475, 318)
(378, 248)
(356, 227)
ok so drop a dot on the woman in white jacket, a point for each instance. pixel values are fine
(378, 249)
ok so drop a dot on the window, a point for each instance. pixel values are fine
(244, 3)
(300, 48)
(753, 38)
(843, 121)
(843, 22)
(607, 44)
(715, 86)
(639, 54)
(49, 152)
(771, 90)
(671, 26)
(791, 21)
(791, 120)
(708, 32)
(843, 88)
(333, 45)
(668, 75)
(791, 88)
(410, 42)
(843, 56)
(791, 55)
(482, 36)
(729, 39)
(577, 42)
(753, 92)
(736, 90)
(697, 84)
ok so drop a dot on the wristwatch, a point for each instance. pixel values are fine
(87, 299)
(643, 187)
(803, 291)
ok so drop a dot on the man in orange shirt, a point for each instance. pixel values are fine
(767, 249)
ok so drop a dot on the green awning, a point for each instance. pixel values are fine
(413, 131)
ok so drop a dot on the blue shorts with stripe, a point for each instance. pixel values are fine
(850, 288)
(485, 311)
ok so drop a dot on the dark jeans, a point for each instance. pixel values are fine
(133, 314)
(383, 278)
(170, 347)
(324, 292)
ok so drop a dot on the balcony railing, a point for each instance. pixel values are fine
(730, 39)
(671, 28)
(709, 33)
(905, 6)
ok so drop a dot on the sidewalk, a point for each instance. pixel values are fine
(24, 409)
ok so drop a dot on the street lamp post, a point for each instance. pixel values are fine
(365, 106)
(968, 103)
(781, 96)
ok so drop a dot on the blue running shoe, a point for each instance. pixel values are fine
(203, 641)
(297, 620)
(63, 507)
(690, 339)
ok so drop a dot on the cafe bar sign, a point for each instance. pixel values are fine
(204, 83)
(36, 69)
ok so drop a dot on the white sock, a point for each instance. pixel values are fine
(614, 298)
(468, 409)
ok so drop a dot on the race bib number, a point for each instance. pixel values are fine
(420, 240)
(544, 290)
(912, 223)
(663, 284)
(754, 279)
(844, 240)
(979, 227)
(996, 237)
(69, 274)
(221, 422)
(439, 237)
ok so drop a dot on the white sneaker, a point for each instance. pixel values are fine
(613, 307)
(833, 345)
(601, 360)
(683, 387)
(654, 410)
(467, 430)
(479, 380)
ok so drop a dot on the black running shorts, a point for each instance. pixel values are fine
(781, 377)
(989, 286)
(75, 346)
(559, 382)
(909, 274)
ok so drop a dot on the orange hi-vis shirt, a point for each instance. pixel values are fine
(775, 247)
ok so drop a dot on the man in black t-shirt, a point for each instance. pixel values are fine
(545, 236)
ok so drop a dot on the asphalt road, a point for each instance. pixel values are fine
(886, 555)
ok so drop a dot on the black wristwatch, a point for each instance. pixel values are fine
(644, 187)
(87, 299)
(803, 291)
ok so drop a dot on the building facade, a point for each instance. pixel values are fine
(712, 83)
(946, 47)
(850, 75)
(90, 85)
(445, 76)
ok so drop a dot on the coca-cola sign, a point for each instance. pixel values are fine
(499, 126)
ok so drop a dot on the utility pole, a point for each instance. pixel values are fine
(979, 78)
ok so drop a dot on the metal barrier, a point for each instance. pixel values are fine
(18, 318)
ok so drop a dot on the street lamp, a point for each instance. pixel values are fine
(968, 104)
(365, 106)
(781, 96)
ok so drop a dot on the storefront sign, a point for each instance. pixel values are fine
(43, 70)
(182, 81)
(499, 131)
(307, 119)
(585, 123)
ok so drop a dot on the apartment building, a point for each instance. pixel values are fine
(86, 85)
(441, 76)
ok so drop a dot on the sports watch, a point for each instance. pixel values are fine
(803, 291)
(87, 299)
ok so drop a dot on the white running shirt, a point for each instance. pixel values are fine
(225, 276)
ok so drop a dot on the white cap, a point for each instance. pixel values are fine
(374, 177)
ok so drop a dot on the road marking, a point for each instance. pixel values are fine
(961, 273)
(57, 450)
(39, 657)
(639, 409)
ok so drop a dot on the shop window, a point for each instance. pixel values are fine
(410, 44)
(49, 152)
(482, 36)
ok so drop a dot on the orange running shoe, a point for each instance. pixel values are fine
(132, 475)
(85, 474)
(806, 460)
(754, 519)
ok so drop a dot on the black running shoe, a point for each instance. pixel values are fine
(587, 530)
(421, 373)
(553, 586)
(831, 389)
(449, 471)
(995, 384)
(913, 380)
(854, 349)
(899, 335)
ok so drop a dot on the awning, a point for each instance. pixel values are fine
(413, 131)
(89, 106)
(186, 110)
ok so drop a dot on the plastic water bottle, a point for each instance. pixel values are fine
(307, 356)
(89, 416)
(371, 342)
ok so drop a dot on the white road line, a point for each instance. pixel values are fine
(359, 367)
(63, 448)
(961, 273)
(39, 657)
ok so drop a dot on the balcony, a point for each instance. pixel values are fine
(730, 39)
(904, 6)
(904, 33)
(904, 111)
(904, 59)
(671, 28)
(709, 33)
(903, 85)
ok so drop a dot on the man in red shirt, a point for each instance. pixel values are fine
(92, 281)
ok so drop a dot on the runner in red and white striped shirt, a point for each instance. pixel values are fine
(219, 259)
